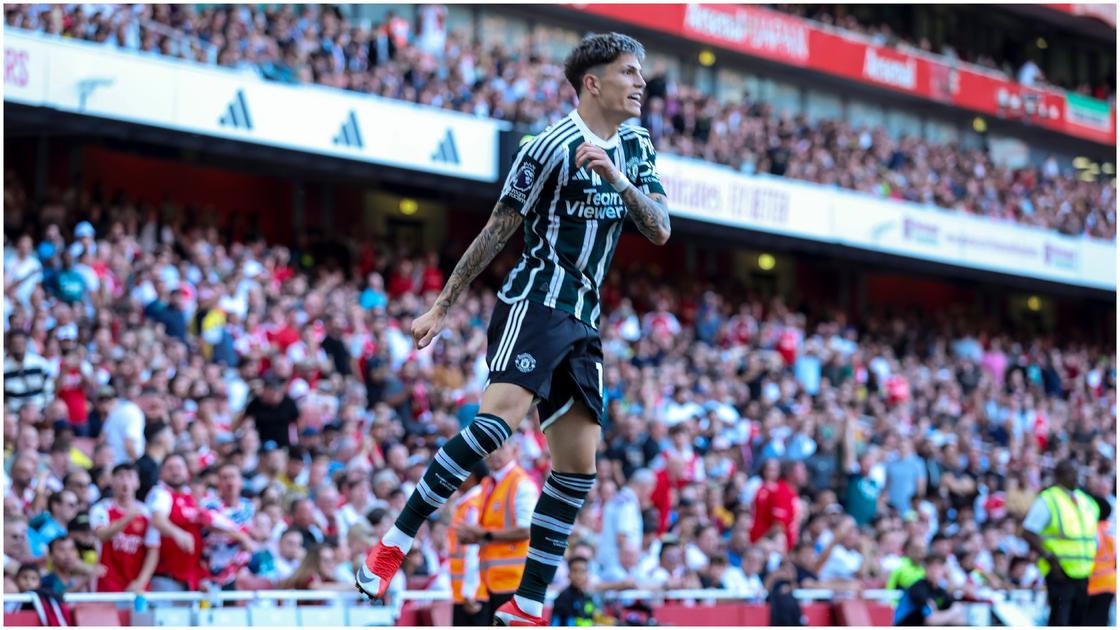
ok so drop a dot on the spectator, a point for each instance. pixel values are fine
(130, 542)
(906, 477)
(16, 550)
(777, 507)
(575, 606)
(70, 574)
(180, 522)
(26, 375)
(843, 559)
(124, 425)
(303, 521)
(228, 556)
(926, 603)
(910, 571)
(317, 570)
(622, 518)
(62, 507)
(159, 440)
(864, 489)
(272, 412)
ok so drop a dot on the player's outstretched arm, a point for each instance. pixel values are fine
(650, 213)
(503, 222)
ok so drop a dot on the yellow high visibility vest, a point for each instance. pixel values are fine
(1071, 534)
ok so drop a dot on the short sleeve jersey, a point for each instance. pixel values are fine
(573, 218)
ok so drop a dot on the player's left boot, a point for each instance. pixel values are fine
(508, 614)
(378, 569)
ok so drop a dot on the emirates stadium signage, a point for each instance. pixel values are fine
(93, 80)
(717, 194)
(768, 34)
(899, 73)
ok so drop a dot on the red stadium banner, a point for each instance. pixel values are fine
(1103, 12)
(794, 41)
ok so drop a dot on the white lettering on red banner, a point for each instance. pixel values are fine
(899, 73)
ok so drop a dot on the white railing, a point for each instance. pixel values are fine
(349, 608)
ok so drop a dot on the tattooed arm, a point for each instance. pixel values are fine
(650, 213)
(502, 224)
(504, 220)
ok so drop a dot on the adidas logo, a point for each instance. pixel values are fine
(581, 176)
(446, 151)
(237, 114)
(348, 134)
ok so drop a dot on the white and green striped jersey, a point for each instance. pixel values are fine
(573, 218)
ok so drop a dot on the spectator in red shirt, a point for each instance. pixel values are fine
(777, 506)
(180, 520)
(432, 278)
(669, 478)
(129, 541)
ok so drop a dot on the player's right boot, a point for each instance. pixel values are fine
(381, 564)
(509, 614)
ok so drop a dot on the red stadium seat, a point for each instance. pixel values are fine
(21, 618)
(98, 615)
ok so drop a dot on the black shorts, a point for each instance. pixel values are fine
(548, 352)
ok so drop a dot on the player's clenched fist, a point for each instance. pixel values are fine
(590, 156)
(427, 326)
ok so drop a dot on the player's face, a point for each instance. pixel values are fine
(621, 86)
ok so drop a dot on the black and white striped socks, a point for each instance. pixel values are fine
(561, 499)
(448, 470)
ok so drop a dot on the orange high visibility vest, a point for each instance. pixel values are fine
(1103, 579)
(502, 563)
(458, 552)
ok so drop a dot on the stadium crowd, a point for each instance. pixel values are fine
(158, 372)
(426, 63)
(1026, 72)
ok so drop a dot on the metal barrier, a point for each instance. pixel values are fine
(350, 608)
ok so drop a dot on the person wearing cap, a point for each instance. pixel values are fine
(124, 425)
(84, 539)
(84, 244)
(471, 600)
(26, 375)
(1061, 527)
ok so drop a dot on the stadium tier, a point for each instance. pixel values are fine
(881, 334)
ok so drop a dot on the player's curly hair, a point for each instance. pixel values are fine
(598, 50)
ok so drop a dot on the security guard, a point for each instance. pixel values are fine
(509, 496)
(1062, 527)
(467, 590)
(1102, 584)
